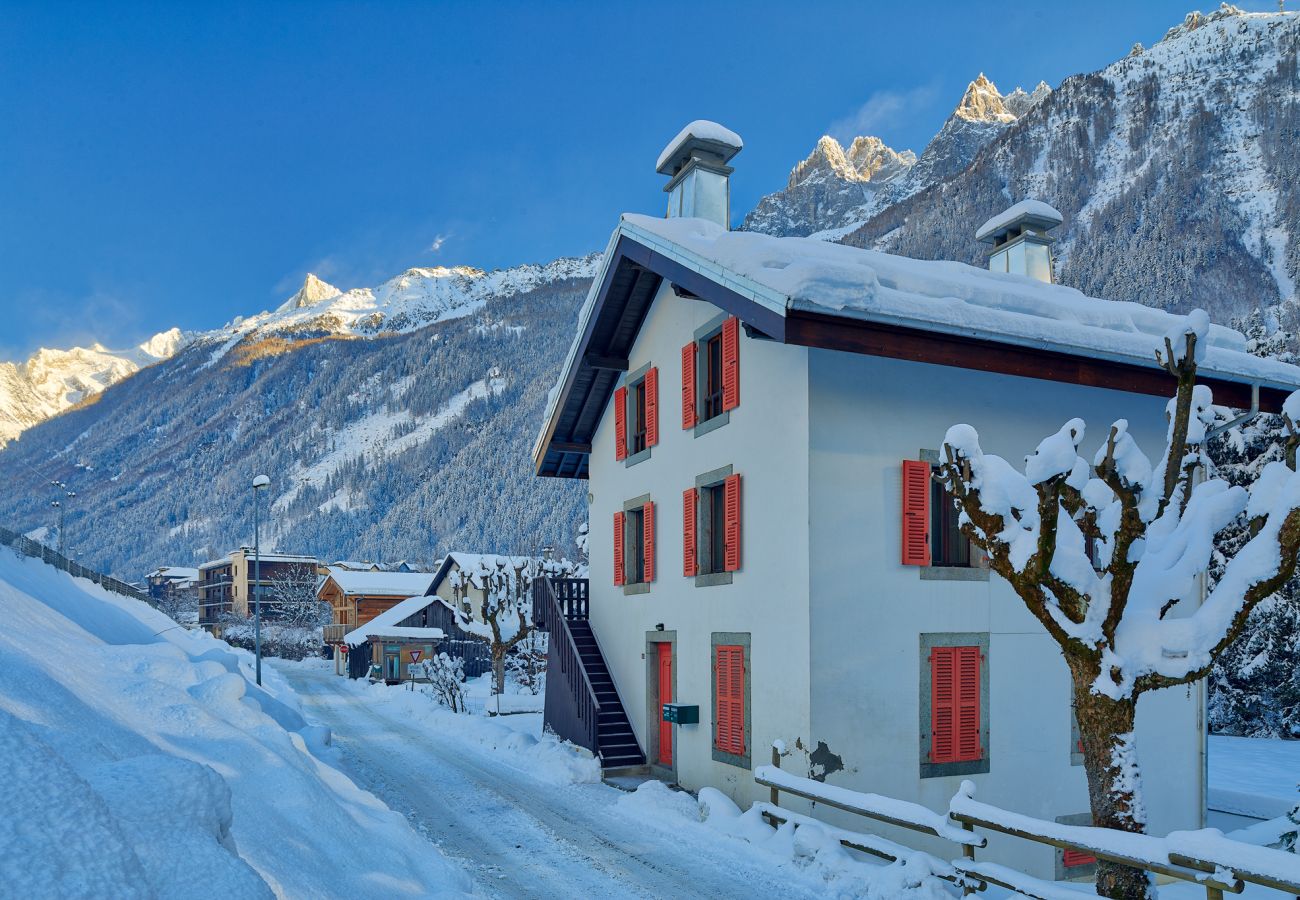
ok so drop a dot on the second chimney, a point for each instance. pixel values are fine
(1020, 242)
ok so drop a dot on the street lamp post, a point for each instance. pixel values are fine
(61, 507)
(260, 483)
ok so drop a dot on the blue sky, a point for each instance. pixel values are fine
(181, 164)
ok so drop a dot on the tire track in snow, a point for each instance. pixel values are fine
(517, 836)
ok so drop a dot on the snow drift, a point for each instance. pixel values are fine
(140, 760)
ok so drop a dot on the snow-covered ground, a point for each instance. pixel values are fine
(1256, 777)
(139, 760)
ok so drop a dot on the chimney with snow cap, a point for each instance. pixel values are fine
(1020, 242)
(696, 163)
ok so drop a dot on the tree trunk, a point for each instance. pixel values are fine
(499, 668)
(1114, 786)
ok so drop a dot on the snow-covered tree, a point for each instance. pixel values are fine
(506, 609)
(292, 596)
(1112, 560)
(446, 681)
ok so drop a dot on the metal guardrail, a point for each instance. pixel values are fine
(35, 550)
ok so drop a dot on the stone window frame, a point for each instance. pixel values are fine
(704, 529)
(978, 569)
(729, 639)
(633, 587)
(630, 381)
(928, 641)
(702, 334)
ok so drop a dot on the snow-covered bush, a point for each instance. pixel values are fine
(282, 641)
(446, 681)
(526, 665)
(1102, 554)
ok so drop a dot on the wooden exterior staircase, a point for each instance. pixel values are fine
(582, 704)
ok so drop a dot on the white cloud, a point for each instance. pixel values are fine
(438, 242)
(883, 112)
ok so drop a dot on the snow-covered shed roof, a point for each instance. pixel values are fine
(385, 624)
(381, 584)
(811, 293)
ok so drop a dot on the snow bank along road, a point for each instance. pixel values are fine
(518, 836)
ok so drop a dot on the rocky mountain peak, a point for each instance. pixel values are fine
(313, 291)
(1018, 102)
(867, 159)
(983, 103)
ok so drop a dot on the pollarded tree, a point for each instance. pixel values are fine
(1112, 558)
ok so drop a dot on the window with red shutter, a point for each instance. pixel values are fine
(620, 423)
(690, 549)
(690, 416)
(648, 541)
(730, 364)
(652, 407)
(955, 705)
(618, 549)
(729, 689)
(731, 528)
(916, 513)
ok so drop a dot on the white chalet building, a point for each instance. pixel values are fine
(756, 418)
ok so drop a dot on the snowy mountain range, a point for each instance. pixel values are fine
(52, 381)
(1175, 169)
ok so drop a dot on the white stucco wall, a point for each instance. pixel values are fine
(867, 610)
(766, 443)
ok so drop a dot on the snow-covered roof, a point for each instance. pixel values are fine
(381, 584)
(710, 135)
(1036, 212)
(267, 556)
(178, 573)
(769, 280)
(946, 297)
(353, 565)
(385, 624)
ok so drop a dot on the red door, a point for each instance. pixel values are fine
(665, 696)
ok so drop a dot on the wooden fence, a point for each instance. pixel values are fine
(28, 547)
(1219, 865)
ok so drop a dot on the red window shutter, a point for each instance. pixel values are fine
(943, 703)
(729, 685)
(968, 704)
(1072, 858)
(731, 523)
(652, 407)
(648, 539)
(689, 416)
(730, 363)
(618, 549)
(690, 559)
(916, 513)
(620, 423)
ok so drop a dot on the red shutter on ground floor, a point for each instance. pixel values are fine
(690, 561)
(955, 705)
(731, 526)
(916, 513)
(652, 407)
(618, 549)
(1072, 858)
(689, 416)
(729, 687)
(730, 363)
(620, 423)
(648, 539)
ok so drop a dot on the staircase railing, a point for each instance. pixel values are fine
(573, 712)
(28, 547)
